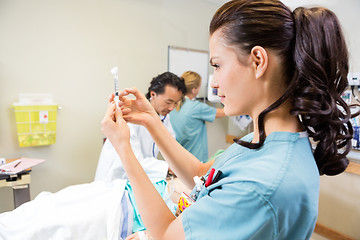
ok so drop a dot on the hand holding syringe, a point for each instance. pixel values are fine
(115, 72)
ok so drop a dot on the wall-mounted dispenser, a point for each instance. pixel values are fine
(35, 116)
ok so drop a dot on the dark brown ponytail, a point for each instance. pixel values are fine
(321, 69)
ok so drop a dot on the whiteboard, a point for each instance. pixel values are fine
(212, 92)
(181, 60)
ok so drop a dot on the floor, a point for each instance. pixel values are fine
(318, 237)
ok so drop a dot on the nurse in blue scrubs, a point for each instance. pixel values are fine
(188, 119)
(286, 70)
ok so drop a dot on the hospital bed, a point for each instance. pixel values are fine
(97, 210)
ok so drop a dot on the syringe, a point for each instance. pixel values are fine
(114, 71)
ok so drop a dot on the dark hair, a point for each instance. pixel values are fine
(159, 83)
(313, 52)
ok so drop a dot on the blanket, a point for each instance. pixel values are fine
(98, 210)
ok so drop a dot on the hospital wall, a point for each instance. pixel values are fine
(67, 48)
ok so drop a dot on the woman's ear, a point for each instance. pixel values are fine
(193, 91)
(260, 60)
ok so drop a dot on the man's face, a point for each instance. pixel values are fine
(164, 103)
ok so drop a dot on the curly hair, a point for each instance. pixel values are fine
(313, 52)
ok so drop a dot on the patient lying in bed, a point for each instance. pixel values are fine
(98, 210)
(103, 209)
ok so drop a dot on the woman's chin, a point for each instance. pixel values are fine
(231, 112)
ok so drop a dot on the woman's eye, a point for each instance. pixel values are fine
(216, 66)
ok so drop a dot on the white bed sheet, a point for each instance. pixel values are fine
(86, 211)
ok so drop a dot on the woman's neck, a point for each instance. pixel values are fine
(278, 120)
(190, 96)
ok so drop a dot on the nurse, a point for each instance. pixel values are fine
(286, 69)
(188, 119)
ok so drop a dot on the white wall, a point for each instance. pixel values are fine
(67, 48)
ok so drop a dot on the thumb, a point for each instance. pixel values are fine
(118, 114)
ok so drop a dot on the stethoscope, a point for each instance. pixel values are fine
(153, 148)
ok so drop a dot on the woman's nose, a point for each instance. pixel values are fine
(214, 82)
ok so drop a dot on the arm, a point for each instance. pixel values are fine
(183, 163)
(144, 150)
(149, 202)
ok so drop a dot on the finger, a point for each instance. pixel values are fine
(111, 97)
(121, 103)
(118, 113)
(125, 111)
(124, 93)
(109, 115)
(114, 114)
(110, 110)
(130, 237)
(127, 118)
(134, 91)
(110, 103)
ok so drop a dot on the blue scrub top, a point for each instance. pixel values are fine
(266, 193)
(190, 129)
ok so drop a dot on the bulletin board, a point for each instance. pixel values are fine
(182, 59)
